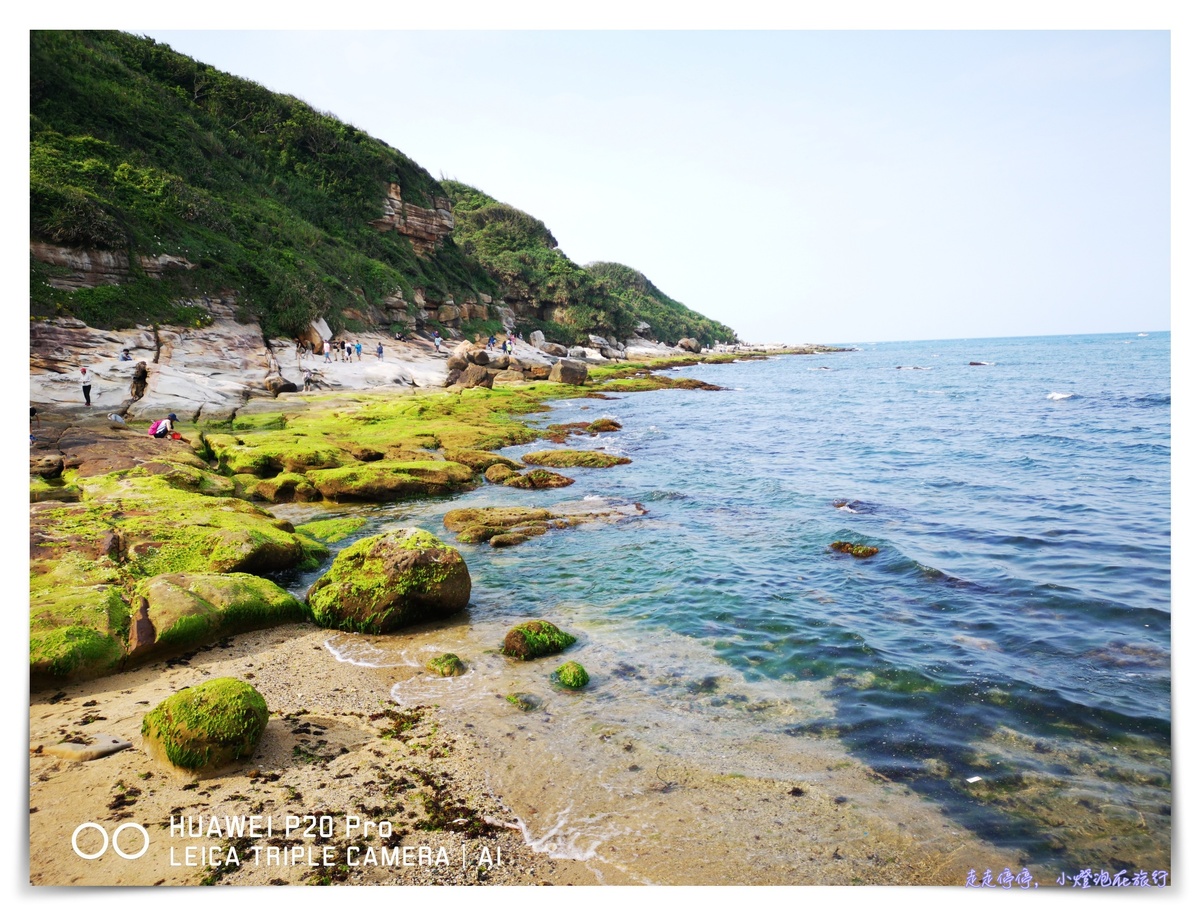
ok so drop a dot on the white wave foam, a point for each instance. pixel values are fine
(360, 653)
(568, 840)
(1055, 395)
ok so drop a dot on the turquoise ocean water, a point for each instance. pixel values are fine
(1015, 624)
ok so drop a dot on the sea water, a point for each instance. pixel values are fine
(1005, 654)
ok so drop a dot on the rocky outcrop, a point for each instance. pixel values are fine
(385, 481)
(178, 611)
(207, 727)
(689, 345)
(424, 227)
(512, 525)
(81, 268)
(392, 580)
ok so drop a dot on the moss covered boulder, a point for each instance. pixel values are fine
(571, 676)
(206, 727)
(391, 580)
(446, 665)
(536, 639)
(567, 457)
(178, 610)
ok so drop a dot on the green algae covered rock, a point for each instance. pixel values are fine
(331, 530)
(179, 610)
(538, 479)
(391, 580)
(524, 701)
(571, 676)
(382, 481)
(445, 665)
(479, 461)
(206, 727)
(475, 525)
(857, 550)
(566, 457)
(498, 473)
(536, 639)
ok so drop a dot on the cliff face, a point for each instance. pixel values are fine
(425, 228)
(79, 268)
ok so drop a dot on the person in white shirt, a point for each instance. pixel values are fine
(85, 379)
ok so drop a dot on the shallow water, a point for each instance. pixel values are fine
(1014, 627)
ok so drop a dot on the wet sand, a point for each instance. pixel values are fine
(573, 792)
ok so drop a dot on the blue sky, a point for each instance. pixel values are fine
(801, 186)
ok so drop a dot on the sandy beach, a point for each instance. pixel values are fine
(463, 785)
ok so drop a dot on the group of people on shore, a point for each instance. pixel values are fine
(333, 350)
(507, 345)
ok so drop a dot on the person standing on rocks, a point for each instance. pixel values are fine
(358, 349)
(327, 359)
(85, 379)
(379, 351)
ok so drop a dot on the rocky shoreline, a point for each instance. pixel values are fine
(146, 561)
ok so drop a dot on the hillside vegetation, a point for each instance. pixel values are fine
(139, 150)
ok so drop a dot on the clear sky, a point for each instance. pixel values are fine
(800, 186)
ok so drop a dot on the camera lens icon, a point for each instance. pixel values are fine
(115, 841)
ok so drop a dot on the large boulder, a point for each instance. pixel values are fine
(206, 727)
(537, 338)
(382, 583)
(554, 349)
(568, 371)
(475, 376)
(690, 344)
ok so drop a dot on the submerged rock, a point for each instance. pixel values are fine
(566, 457)
(536, 639)
(206, 727)
(857, 550)
(524, 701)
(508, 526)
(391, 580)
(445, 665)
(538, 479)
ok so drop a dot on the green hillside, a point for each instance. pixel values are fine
(669, 320)
(141, 151)
(138, 149)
